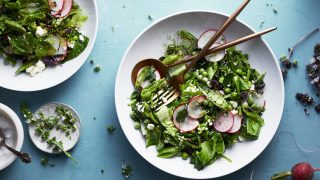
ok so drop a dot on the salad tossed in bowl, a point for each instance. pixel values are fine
(40, 33)
(220, 103)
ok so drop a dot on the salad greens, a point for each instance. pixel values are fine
(189, 127)
(30, 34)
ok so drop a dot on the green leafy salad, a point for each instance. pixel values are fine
(220, 104)
(35, 34)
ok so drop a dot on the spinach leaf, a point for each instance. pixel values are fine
(207, 152)
(153, 137)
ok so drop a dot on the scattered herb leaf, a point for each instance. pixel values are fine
(44, 161)
(97, 68)
(127, 171)
(111, 128)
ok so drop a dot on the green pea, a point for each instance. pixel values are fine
(146, 121)
(250, 100)
(234, 94)
(205, 74)
(199, 77)
(238, 71)
(221, 79)
(210, 104)
(227, 90)
(184, 155)
(204, 80)
(202, 70)
(205, 103)
(137, 125)
(132, 115)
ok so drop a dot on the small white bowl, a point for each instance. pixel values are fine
(68, 144)
(10, 118)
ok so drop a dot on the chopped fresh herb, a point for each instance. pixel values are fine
(306, 111)
(275, 11)
(127, 171)
(91, 61)
(286, 62)
(295, 63)
(102, 171)
(59, 146)
(261, 24)
(97, 68)
(62, 120)
(94, 118)
(44, 161)
(150, 18)
(111, 128)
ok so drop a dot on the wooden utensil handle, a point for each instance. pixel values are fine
(225, 46)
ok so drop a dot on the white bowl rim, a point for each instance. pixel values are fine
(20, 133)
(198, 11)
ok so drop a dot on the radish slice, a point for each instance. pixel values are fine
(55, 6)
(205, 37)
(60, 44)
(224, 122)
(236, 124)
(188, 124)
(194, 107)
(67, 5)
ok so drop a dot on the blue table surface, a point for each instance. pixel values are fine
(92, 94)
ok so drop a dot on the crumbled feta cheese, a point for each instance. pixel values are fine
(150, 126)
(40, 32)
(71, 44)
(252, 88)
(35, 69)
(234, 112)
(81, 38)
(234, 104)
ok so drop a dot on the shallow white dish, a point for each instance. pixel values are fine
(68, 143)
(150, 44)
(12, 128)
(55, 75)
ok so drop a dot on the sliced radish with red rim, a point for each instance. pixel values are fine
(67, 5)
(205, 37)
(236, 124)
(224, 122)
(60, 45)
(55, 6)
(187, 124)
(194, 107)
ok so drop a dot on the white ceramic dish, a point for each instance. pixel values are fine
(150, 44)
(13, 129)
(55, 75)
(68, 143)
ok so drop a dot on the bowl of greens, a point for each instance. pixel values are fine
(44, 42)
(230, 104)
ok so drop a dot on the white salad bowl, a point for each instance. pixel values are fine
(53, 75)
(12, 127)
(150, 44)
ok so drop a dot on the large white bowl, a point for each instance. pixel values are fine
(56, 75)
(16, 125)
(150, 44)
